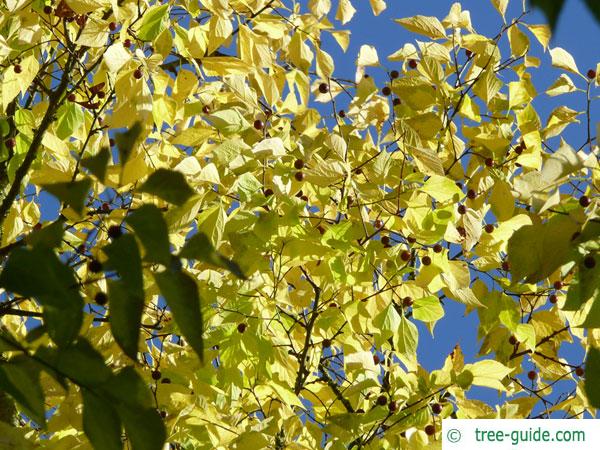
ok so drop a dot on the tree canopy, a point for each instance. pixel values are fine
(211, 239)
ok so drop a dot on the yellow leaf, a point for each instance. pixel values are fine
(378, 6)
(345, 11)
(325, 64)
(342, 37)
(489, 373)
(521, 92)
(500, 6)
(94, 34)
(15, 83)
(116, 57)
(563, 85)
(563, 60)
(299, 52)
(425, 25)
(319, 8)
(367, 56)
(519, 42)
(542, 34)
(225, 65)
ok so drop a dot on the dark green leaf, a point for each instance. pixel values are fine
(168, 185)
(72, 193)
(151, 228)
(124, 257)
(49, 236)
(199, 247)
(125, 316)
(98, 163)
(592, 377)
(40, 274)
(125, 142)
(181, 293)
(101, 422)
(80, 362)
(551, 9)
(584, 286)
(20, 378)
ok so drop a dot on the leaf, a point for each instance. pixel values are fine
(442, 189)
(428, 309)
(151, 229)
(169, 185)
(500, 6)
(181, 293)
(72, 193)
(98, 163)
(535, 251)
(126, 140)
(200, 248)
(592, 377)
(542, 34)
(551, 9)
(378, 6)
(49, 236)
(563, 60)
(21, 380)
(345, 11)
(425, 25)
(101, 423)
(154, 22)
(488, 373)
(38, 273)
(406, 340)
(68, 119)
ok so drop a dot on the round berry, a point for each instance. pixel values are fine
(323, 88)
(489, 228)
(206, 109)
(393, 406)
(299, 164)
(17, 68)
(268, 192)
(382, 400)
(589, 262)
(411, 239)
(10, 143)
(430, 430)
(386, 91)
(426, 260)
(137, 74)
(258, 124)
(112, 26)
(532, 375)
(405, 255)
(436, 408)
(321, 229)
(342, 113)
(385, 240)
(127, 43)
(326, 343)
(71, 97)
(396, 101)
(95, 266)
(394, 74)
(437, 248)
(462, 209)
(584, 201)
(579, 371)
(489, 162)
(378, 223)
(553, 299)
(47, 9)
(513, 340)
(163, 414)
(558, 285)
(505, 266)
(471, 194)
(241, 327)
(407, 302)
(376, 359)
(101, 298)
(156, 375)
(105, 207)
(591, 74)
(101, 94)
(299, 176)
(412, 63)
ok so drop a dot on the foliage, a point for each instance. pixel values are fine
(236, 262)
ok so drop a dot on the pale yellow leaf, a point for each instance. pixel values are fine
(563, 60)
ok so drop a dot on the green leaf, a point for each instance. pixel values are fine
(73, 193)
(126, 140)
(38, 273)
(406, 340)
(98, 163)
(535, 251)
(153, 22)
(20, 379)
(151, 229)
(68, 119)
(181, 292)
(199, 247)
(428, 309)
(584, 286)
(101, 422)
(592, 377)
(551, 9)
(168, 185)
(126, 296)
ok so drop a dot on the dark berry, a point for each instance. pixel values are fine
(241, 327)
(461, 230)
(17, 68)
(469, 53)
(206, 109)
(393, 406)
(436, 408)
(10, 142)
(127, 43)
(489, 228)
(412, 63)
(112, 26)
(71, 97)
(95, 266)
(342, 113)
(394, 74)
(437, 248)
(382, 400)
(471, 194)
(407, 302)
(376, 359)
(326, 343)
(299, 164)
(105, 207)
(430, 430)
(396, 101)
(505, 266)
(48, 10)
(489, 162)
(579, 371)
(411, 239)
(323, 88)
(156, 375)
(114, 231)
(513, 340)
(163, 414)
(462, 209)
(137, 74)
(385, 240)
(299, 176)
(304, 198)
(268, 192)
(584, 201)
(101, 94)
(426, 260)
(532, 375)
(101, 298)
(589, 262)
(386, 91)
(558, 285)
(258, 124)
(591, 74)
(378, 223)
(553, 298)
(405, 255)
